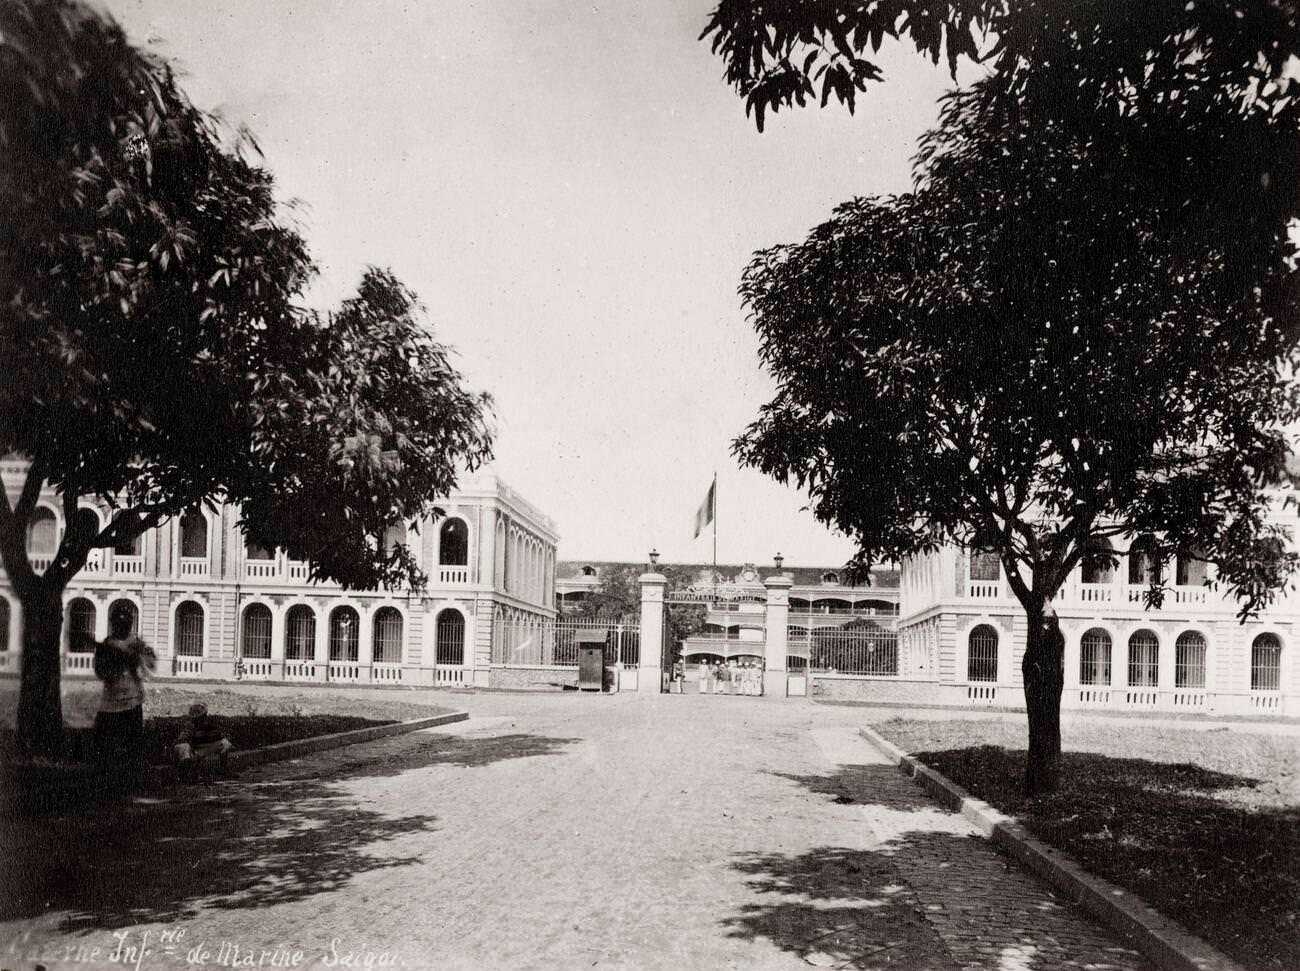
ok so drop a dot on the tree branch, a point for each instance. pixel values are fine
(31, 492)
(13, 548)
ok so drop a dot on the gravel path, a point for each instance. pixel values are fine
(549, 831)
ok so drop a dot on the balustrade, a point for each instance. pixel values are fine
(194, 566)
(448, 674)
(343, 671)
(261, 569)
(300, 670)
(453, 574)
(128, 566)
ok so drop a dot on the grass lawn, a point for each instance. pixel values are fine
(1203, 825)
(249, 719)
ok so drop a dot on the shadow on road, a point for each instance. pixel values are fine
(885, 906)
(838, 907)
(405, 753)
(864, 785)
(276, 836)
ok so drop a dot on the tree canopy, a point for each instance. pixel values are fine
(158, 349)
(986, 359)
(618, 596)
(1080, 324)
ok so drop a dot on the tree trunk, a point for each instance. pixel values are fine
(40, 708)
(1044, 675)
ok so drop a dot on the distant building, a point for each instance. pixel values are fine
(735, 598)
(214, 607)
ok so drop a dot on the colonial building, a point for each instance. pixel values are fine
(214, 607)
(962, 638)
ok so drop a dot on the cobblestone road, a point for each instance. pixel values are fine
(551, 832)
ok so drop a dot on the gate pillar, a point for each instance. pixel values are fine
(650, 676)
(777, 622)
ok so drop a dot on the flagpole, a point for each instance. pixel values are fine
(715, 527)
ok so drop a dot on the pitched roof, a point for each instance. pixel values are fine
(803, 576)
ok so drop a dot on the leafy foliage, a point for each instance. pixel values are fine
(154, 325)
(158, 352)
(1177, 56)
(1081, 322)
(618, 595)
(369, 425)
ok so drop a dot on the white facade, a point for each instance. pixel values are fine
(962, 627)
(213, 607)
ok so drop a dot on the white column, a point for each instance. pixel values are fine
(365, 639)
(322, 642)
(777, 622)
(278, 615)
(650, 676)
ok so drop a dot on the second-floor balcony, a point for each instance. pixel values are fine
(452, 574)
(128, 566)
(1076, 593)
(193, 566)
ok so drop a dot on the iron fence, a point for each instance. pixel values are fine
(554, 643)
(871, 651)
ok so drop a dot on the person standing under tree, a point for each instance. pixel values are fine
(122, 661)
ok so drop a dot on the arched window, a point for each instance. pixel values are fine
(256, 640)
(345, 631)
(451, 637)
(1266, 663)
(982, 660)
(830, 576)
(81, 625)
(985, 565)
(189, 629)
(42, 532)
(453, 544)
(300, 633)
(1144, 566)
(388, 635)
(588, 571)
(1191, 570)
(194, 534)
(1097, 568)
(125, 608)
(1189, 660)
(1143, 660)
(4, 624)
(254, 552)
(1094, 657)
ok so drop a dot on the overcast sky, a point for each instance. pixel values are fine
(573, 191)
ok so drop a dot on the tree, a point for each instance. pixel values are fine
(1079, 326)
(157, 350)
(618, 595)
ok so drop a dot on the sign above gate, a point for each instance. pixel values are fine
(745, 587)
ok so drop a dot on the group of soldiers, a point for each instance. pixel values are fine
(734, 677)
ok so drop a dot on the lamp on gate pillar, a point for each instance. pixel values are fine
(654, 557)
(778, 560)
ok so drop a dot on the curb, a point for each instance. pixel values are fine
(1162, 940)
(239, 760)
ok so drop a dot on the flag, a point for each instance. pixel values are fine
(704, 515)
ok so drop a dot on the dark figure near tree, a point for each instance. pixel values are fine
(121, 663)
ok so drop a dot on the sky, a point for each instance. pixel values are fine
(574, 191)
